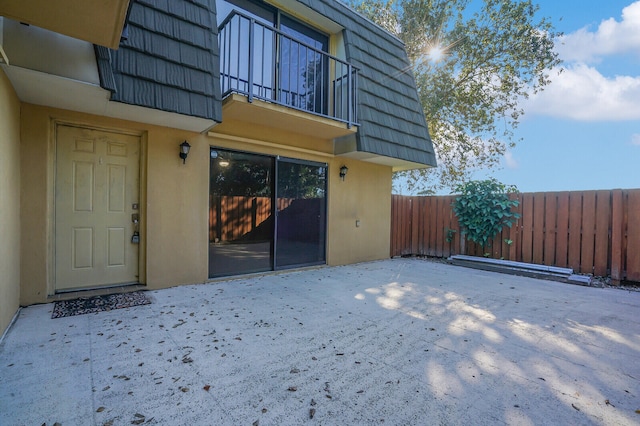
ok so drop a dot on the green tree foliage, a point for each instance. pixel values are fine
(483, 208)
(474, 61)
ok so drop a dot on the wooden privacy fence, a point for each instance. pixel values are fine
(595, 232)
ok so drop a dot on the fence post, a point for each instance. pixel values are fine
(617, 219)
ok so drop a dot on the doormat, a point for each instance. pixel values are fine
(89, 305)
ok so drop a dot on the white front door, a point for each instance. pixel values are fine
(96, 196)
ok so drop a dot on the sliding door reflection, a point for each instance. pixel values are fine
(240, 213)
(301, 210)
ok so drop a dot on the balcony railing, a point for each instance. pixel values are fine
(261, 62)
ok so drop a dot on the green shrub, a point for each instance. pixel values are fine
(483, 208)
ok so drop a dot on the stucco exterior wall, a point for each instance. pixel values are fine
(175, 200)
(363, 196)
(9, 202)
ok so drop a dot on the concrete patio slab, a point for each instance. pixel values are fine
(400, 342)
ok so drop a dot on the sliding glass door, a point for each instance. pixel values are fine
(301, 208)
(240, 213)
(265, 213)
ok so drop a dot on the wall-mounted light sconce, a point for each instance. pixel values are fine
(184, 151)
(343, 172)
(223, 162)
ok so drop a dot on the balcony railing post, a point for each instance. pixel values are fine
(250, 85)
(349, 99)
(355, 96)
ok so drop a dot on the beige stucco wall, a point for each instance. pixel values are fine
(364, 196)
(9, 202)
(174, 202)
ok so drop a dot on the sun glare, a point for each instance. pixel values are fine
(436, 53)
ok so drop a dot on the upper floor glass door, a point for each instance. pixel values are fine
(267, 54)
(303, 70)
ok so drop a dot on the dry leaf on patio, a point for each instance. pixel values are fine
(100, 409)
(206, 387)
(312, 412)
(292, 388)
(139, 419)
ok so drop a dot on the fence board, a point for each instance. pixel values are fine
(419, 213)
(516, 231)
(402, 212)
(439, 227)
(431, 223)
(617, 233)
(395, 222)
(538, 228)
(562, 230)
(588, 231)
(405, 211)
(401, 236)
(443, 219)
(527, 227)
(549, 237)
(633, 236)
(601, 245)
(415, 221)
(575, 225)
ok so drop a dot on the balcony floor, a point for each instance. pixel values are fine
(237, 109)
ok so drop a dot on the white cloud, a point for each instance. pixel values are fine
(611, 37)
(635, 139)
(582, 93)
(510, 161)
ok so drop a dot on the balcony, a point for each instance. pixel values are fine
(261, 62)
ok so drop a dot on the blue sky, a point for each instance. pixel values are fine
(583, 131)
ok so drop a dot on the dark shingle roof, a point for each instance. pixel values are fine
(169, 60)
(391, 119)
